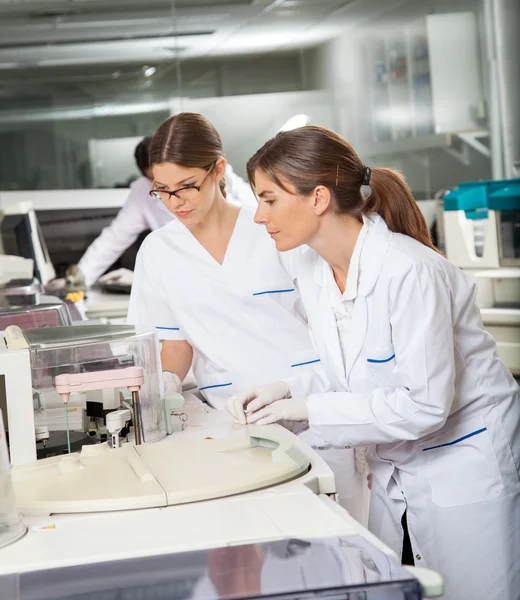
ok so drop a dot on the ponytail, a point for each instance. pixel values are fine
(392, 199)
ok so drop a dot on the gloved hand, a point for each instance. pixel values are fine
(56, 284)
(121, 276)
(291, 409)
(172, 383)
(75, 279)
(254, 398)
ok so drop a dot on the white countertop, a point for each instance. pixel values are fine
(99, 305)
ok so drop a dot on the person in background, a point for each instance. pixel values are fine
(417, 376)
(212, 284)
(141, 212)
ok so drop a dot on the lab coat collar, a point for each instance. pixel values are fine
(352, 282)
(374, 247)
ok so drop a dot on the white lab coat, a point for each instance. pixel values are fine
(423, 385)
(243, 320)
(141, 213)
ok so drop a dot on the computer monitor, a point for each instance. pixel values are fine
(20, 235)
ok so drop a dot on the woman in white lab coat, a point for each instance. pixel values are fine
(418, 379)
(213, 285)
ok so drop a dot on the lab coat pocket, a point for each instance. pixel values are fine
(461, 466)
(282, 293)
(382, 365)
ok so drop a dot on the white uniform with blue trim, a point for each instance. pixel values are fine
(423, 384)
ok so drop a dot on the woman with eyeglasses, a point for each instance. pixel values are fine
(211, 282)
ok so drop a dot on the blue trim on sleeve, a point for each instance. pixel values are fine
(273, 292)
(384, 360)
(169, 328)
(465, 437)
(217, 385)
(309, 362)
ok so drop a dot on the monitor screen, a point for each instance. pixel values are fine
(21, 236)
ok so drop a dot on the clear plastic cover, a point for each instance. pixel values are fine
(60, 350)
(293, 569)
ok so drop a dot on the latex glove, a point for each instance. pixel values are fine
(75, 279)
(121, 276)
(291, 409)
(56, 284)
(172, 383)
(254, 398)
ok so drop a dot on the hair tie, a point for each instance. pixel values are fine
(368, 174)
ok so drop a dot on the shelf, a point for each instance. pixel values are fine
(423, 142)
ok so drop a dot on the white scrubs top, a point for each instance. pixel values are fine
(243, 318)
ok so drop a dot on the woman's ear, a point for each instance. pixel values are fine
(220, 168)
(321, 199)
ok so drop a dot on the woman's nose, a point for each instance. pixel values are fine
(260, 216)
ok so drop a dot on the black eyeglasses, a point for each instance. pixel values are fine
(187, 192)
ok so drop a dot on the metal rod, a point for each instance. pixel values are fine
(67, 426)
(136, 417)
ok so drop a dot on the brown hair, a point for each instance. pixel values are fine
(310, 156)
(188, 140)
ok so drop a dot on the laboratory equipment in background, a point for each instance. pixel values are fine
(12, 527)
(22, 299)
(20, 235)
(482, 236)
(34, 361)
(67, 222)
(48, 312)
(20, 292)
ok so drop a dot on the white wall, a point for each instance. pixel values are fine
(245, 123)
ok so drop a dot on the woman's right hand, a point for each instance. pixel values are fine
(254, 398)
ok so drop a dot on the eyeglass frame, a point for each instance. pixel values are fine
(175, 193)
